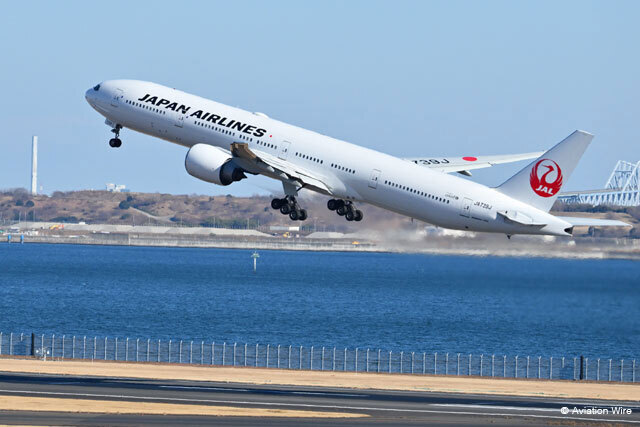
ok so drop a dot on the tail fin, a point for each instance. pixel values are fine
(539, 183)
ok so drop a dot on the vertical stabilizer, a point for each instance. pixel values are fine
(539, 183)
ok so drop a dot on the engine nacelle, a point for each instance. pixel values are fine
(211, 164)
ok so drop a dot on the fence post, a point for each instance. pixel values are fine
(257, 352)
(84, 347)
(333, 364)
(516, 368)
(245, 354)
(481, 357)
(412, 358)
(158, 355)
(63, 339)
(116, 349)
(213, 352)
(224, 351)
(367, 361)
(11, 344)
(598, 371)
(504, 366)
(180, 351)
(322, 360)
(446, 364)
(234, 353)
(137, 347)
(53, 346)
(401, 360)
(633, 372)
(424, 363)
(311, 358)
(469, 373)
(278, 364)
(106, 342)
(493, 359)
(539, 362)
(621, 368)
(551, 367)
(169, 351)
(356, 359)
(73, 348)
(300, 358)
(268, 346)
(0, 343)
(586, 368)
(289, 359)
(458, 370)
(95, 339)
(435, 363)
(148, 344)
(390, 361)
(609, 369)
(126, 349)
(527, 366)
(574, 368)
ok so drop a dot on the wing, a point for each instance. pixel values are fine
(258, 162)
(464, 164)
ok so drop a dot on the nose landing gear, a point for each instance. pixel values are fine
(289, 206)
(116, 142)
(346, 209)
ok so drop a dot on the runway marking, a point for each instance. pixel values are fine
(310, 393)
(482, 405)
(308, 405)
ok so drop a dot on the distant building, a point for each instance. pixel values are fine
(117, 188)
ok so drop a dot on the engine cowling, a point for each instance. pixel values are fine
(211, 164)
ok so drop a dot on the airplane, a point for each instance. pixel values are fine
(227, 143)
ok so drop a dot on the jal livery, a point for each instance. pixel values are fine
(225, 144)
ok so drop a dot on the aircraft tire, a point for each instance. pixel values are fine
(332, 204)
(276, 204)
(342, 210)
(115, 142)
(303, 215)
(294, 215)
(359, 215)
(285, 209)
(349, 216)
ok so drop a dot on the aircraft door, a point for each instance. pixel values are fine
(178, 120)
(117, 96)
(284, 150)
(373, 180)
(466, 207)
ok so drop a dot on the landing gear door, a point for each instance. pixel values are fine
(466, 207)
(373, 180)
(284, 150)
(115, 101)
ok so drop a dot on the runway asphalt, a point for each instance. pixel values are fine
(383, 407)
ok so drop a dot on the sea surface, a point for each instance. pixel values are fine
(513, 306)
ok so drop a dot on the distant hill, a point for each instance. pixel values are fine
(229, 211)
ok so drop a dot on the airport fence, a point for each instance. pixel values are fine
(61, 347)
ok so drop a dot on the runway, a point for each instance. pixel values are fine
(379, 407)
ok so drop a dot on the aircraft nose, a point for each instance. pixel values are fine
(92, 94)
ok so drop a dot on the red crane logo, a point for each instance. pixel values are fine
(548, 184)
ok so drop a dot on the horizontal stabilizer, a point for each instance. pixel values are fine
(593, 222)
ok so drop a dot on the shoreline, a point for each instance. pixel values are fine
(559, 251)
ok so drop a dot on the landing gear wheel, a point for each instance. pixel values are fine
(358, 215)
(332, 204)
(285, 209)
(342, 210)
(303, 214)
(294, 215)
(276, 203)
(349, 216)
(115, 142)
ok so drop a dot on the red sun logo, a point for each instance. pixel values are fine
(546, 178)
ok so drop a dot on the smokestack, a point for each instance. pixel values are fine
(34, 166)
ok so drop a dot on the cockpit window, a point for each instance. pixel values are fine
(96, 88)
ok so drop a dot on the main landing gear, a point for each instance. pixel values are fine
(345, 208)
(116, 142)
(289, 206)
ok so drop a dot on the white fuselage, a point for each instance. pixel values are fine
(353, 172)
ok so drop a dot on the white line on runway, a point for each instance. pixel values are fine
(307, 405)
(244, 390)
(513, 408)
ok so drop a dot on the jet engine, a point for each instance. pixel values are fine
(212, 164)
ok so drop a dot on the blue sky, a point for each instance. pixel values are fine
(406, 78)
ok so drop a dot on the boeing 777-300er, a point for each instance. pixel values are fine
(226, 143)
